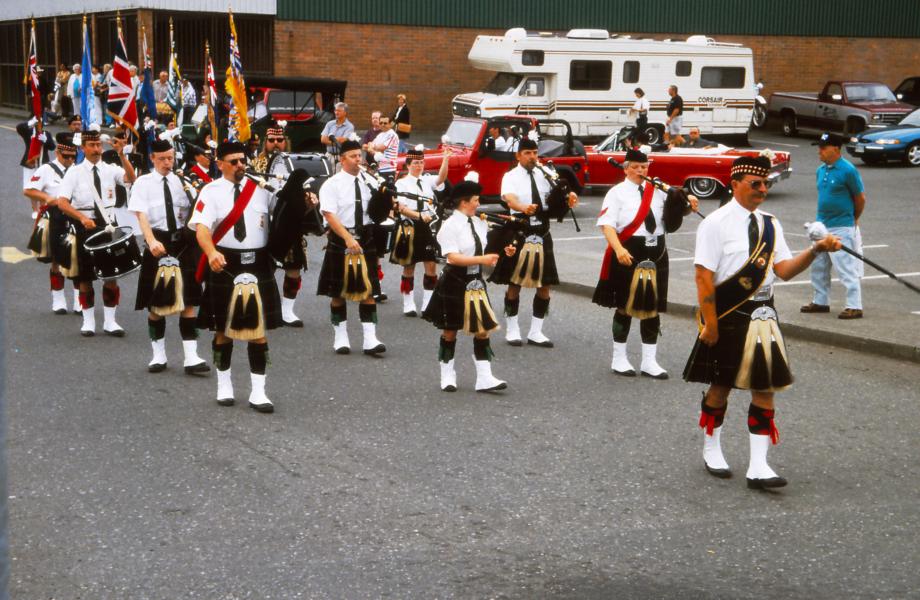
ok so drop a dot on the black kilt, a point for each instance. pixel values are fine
(218, 289)
(425, 247)
(59, 225)
(719, 364)
(296, 257)
(613, 292)
(332, 273)
(186, 250)
(445, 309)
(505, 266)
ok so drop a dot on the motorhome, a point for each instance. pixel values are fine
(588, 77)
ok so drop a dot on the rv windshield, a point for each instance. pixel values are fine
(503, 84)
(463, 133)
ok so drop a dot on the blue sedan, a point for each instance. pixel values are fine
(898, 142)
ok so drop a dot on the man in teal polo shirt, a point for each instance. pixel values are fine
(841, 199)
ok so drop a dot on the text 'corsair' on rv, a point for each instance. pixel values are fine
(588, 78)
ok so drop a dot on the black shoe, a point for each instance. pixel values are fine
(546, 344)
(661, 376)
(811, 307)
(630, 373)
(343, 350)
(515, 343)
(87, 332)
(411, 313)
(378, 349)
(720, 473)
(156, 367)
(115, 332)
(226, 401)
(765, 484)
(298, 323)
(263, 408)
(60, 311)
(450, 388)
(201, 367)
(381, 298)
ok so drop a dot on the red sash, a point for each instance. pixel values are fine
(197, 170)
(229, 221)
(630, 229)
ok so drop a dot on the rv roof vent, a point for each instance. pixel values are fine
(518, 33)
(588, 34)
(700, 40)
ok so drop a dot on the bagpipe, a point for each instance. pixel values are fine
(383, 194)
(504, 230)
(674, 206)
(557, 201)
(294, 214)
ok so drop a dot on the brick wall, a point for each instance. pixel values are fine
(430, 66)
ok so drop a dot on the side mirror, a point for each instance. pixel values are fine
(836, 97)
(759, 86)
(532, 89)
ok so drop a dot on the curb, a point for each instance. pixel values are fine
(808, 334)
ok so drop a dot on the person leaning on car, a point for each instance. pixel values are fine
(841, 200)
(695, 141)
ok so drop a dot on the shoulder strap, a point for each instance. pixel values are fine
(644, 207)
(735, 291)
(56, 169)
(229, 221)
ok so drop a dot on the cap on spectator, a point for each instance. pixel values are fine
(829, 139)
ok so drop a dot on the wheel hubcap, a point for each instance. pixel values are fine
(913, 155)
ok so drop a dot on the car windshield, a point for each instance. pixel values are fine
(869, 92)
(609, 144)
(503, 84)
(463, 133)
(291, 102)
(911, 119)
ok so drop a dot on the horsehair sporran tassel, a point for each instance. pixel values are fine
(764, 364)
(245, 316)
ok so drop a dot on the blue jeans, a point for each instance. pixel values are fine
(847, 268)
(403, 146)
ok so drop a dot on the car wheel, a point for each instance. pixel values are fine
(704, 187)
(759, 118)
(912, 156)
(789, 128)
(654, 135)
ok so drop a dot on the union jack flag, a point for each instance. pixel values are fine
(35, 144)
(121, 104)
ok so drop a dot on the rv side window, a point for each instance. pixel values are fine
(722, 77)
(683, 69)
(532, 58)
(590, 74)
(533, 86)
(631, 71)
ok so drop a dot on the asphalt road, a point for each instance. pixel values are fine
(368, 482)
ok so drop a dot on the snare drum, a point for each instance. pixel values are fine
(114, 254)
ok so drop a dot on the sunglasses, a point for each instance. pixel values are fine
(68, 155)
(238, 161)
(275, 140)
(758, 184)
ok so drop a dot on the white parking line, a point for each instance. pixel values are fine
(774, 143)
(915, 312)
(581, 237)
(868, 247)
(808, 282)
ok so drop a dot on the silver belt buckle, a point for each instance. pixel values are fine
(472, 270)
(535, 221)
(247, 258)
(651, 241)
(764, 293)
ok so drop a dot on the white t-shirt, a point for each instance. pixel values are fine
(79, 188)
(411, 185)
(722, 242)
(503, 144)
(455, 236)
(337, 197)
(621, 204)
(216, 201)
(46, 179)
(641, 104)
(391, 141)
(147, 197)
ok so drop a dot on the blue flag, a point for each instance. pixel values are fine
(87, 97)
(147, 95)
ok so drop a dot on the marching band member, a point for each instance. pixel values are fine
(460, 301)
(240, 298)
(415, 242)
(162, 207)
(350, 263)
(740, 250)
(634, 277)
(43, 187)
(525, 189)
(25, 131)
(87, 196)
(274, 161)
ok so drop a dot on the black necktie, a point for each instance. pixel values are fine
(359, 210)
(170, 215)
(239, 228)
(478, 251)
(753, 234)
(650, 223)
(97, 212)
(534, 191)
(420, 203)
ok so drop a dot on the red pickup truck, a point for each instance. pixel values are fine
(846, 106)
(468, 139)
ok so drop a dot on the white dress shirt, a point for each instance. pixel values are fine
(78, 186)
(641, 105)
(216, 201)
(455, 236)
(337, 197)
(147, 197)
(722, 242)
(517, 182)
(621, 204)
(410, 185)
(46, 179)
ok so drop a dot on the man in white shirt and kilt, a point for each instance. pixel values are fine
(526, 190)
(240, 298)
(166, 284)
(87, 197)
(634, 276)
(350, 263)
(740, 250)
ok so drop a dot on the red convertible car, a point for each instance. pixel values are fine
(703, 171)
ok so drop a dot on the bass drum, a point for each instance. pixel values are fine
(114, 253)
